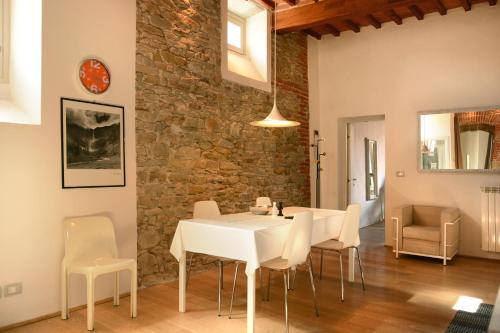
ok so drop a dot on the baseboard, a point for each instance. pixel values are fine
(57, 314)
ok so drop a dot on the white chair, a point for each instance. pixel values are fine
(90, 249)
(206, 210)
(263, 202)
(295, 252)
(349, 238)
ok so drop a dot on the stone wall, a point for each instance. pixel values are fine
(194, 141)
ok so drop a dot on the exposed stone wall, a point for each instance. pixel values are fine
(194, 141)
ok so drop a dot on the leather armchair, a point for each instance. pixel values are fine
(426, 231)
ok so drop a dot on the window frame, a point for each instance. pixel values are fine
(4, 41)
(241, 23)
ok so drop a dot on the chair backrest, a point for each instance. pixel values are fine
(429, 216)
(298, 243)
(206, 209)
(89, 238)
(263, 202)
(349, 234)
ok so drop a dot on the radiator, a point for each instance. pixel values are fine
(490, 218)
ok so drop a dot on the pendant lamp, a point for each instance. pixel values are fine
(275, 119)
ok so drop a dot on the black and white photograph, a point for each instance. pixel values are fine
(92, 144)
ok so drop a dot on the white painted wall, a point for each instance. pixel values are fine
(371, 210)
(438, 63)
(32, 203)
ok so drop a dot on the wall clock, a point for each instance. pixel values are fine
(94, 76)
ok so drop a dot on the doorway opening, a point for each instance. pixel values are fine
(364, 181)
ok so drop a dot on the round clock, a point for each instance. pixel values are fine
(94, 76)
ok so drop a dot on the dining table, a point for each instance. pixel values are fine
(253, 239)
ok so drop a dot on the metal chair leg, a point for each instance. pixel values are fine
(311, 263)
(285, 280)
(341, 276)
(188, 274)
(268, 285)
(360, 269)
(292, 287)
(234, 286)
(311, 277)
(321, 266)
(220, 287)
(221, 276)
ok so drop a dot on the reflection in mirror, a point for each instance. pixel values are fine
(460, 140)
(371, 169)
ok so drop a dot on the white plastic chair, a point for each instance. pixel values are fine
(349, 238)
(295, 252)
(263, 202)
(90, 249)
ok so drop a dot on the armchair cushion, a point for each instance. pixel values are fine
(432, 234)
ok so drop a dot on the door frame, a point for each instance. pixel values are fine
(343, 163)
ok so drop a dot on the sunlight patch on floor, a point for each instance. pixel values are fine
(466, 303)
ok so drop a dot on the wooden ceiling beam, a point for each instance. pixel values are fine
(395, 17)
(352, 25)
(313, 33)
(466, 4)
(440, 7)
(269, 4)
(291, 2)
(492, 2)
(322, 12)
(416, 12)
(332, 29)
(373, 21)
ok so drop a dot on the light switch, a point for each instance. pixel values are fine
(13, 289)
(400, 173)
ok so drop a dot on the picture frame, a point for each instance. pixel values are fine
(92, 144)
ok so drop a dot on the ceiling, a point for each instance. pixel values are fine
(243, 8)
(332, 17)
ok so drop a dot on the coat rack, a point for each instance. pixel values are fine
(318, 155)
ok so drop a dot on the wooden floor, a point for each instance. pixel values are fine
(407, 295)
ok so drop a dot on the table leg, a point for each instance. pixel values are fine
(182, 282)
(251, 302)
(351, 265)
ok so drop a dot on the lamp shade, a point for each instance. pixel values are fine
(275, 119)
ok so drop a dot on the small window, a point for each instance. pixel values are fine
(236, 33)
(246, 43)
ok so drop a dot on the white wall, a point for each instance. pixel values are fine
(438, 63)
(32, 203)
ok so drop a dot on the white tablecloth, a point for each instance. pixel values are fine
(247, 237)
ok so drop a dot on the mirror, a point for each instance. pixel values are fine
(467, 140)
(371, 182)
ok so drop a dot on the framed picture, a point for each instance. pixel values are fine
(92, 144)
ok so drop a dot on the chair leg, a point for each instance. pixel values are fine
(268, 285)
(285, 280)
(219, 288)
(360, 268)
(292, 287)
(64, 293)
(234, 286)
(263, 295)
(90, 302)
(188, 274)
(116, 295)
(311, 263)
(321, 266)
(311, 277)
(341, 277)
(133, 291)
(221, 276)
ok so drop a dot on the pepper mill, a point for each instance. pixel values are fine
(280, 208)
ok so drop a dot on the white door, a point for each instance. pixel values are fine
(371, 210)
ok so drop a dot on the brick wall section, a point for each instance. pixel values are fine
(491, 118)
(194, 141)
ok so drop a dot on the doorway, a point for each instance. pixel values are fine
(365, 181)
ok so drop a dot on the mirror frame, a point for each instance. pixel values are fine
(457, 110)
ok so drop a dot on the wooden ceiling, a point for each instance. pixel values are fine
(321, 17)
